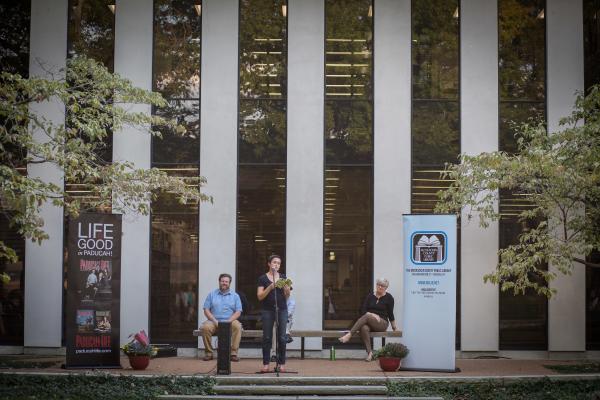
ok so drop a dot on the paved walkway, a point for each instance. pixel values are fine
(319, 367)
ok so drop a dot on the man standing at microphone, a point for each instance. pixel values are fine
(274, 307)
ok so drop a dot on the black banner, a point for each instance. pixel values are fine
(93, 291)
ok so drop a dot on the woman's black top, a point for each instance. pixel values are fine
(268, 303)
(384, 306)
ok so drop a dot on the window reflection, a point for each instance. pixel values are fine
(435, 122)
(262, 131)
(262, 139)
(176, 61)
(435, 107)
(260, 229)
(348, 230)
(174, 247)
(521, 74)
(14, 58)
(591, 28)
(349, 49)
(174, 263)
(91, 30)
(348, 186)
(91, 34)
(263, 49)
(172, 147)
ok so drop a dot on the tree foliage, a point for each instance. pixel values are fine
(559, 175)
(96, 105)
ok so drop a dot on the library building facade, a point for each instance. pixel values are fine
(317, 124)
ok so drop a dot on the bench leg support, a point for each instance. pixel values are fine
(302, 348)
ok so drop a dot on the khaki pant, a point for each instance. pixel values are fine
(209, 329)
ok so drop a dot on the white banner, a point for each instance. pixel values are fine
(429, 269)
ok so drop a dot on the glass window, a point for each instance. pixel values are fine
(175, 226)
(435, 123)
(174, 264)
(591, 29)
(92, 30)
(348, 140)
(176, 60)
(522, 93)
(91, 34)
(14, 58)
(262, 147)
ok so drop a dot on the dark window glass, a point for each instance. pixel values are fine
(348, 255)
(348, 132)
(174, 264)
(435, 123)
(260, 229)
(263, 49)
(522, 92)
(176, 61)
(172, 147)
(91, 34)
(348, 140)
(262, 131)
(174, 226)
(591, 29)
(92, 30)
(14, 58)
(262, 146)
(349, 49)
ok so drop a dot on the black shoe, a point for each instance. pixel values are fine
(288, 338)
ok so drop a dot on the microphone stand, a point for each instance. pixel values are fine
(276, 327)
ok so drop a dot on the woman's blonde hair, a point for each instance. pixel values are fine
(382, 281)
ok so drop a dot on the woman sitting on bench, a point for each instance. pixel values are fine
(377, 310)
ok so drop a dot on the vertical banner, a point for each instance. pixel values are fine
(93, 291)
(429, 317)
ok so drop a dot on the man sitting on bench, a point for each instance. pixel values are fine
(222, 304)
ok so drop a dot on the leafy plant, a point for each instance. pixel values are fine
(395, 350)
(139, 345)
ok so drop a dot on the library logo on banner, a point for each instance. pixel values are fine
(428, 247)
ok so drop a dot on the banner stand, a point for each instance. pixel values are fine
(429, 277)
(92, 326)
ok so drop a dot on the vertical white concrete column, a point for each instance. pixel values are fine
(304, 210)
(392, 143)
(133, 60)
(564, 27)
(218, 148)
(44, 263)
(479, 133)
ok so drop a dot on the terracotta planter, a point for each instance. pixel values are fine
(389, 364)
(139, 362)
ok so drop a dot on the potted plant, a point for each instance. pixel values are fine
(139, 350)
(390, 356)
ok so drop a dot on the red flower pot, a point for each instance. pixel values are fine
(389, 364)
(139, 362)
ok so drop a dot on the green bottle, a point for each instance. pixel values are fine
(332, 353)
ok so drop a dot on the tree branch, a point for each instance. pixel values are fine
(586, 263)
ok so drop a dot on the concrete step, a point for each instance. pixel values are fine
(308, 390)
(286, 379)
(229, 397)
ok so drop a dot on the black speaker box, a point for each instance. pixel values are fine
(224, 351)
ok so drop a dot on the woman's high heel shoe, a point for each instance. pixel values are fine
(345, 338)
(369, 357)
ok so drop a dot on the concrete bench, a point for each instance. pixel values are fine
(313, 333)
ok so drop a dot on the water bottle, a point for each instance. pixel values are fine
(332, 353)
